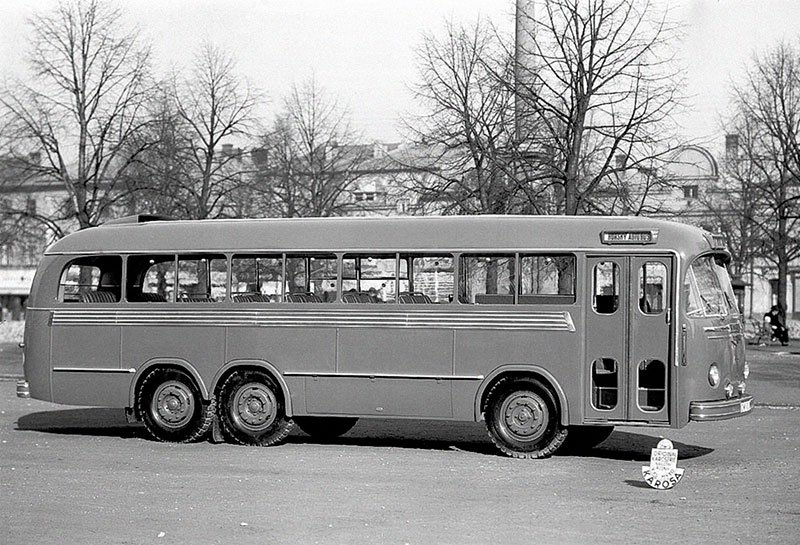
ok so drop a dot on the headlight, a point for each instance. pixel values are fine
(746, 370)
(713, 375)
(729, 390)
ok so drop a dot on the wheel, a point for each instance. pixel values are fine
(583, 438)
(171, 407)
(522, 418)
(325, 427)
(251, 409)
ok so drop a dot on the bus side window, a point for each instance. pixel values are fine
(311, 278)
(431, 279)
(606, 287)
(91, 280)
(547, 279)
(652, 278)
(487, 279)
(257, 278)
(202, 278)
(371, 278)
(151, 278)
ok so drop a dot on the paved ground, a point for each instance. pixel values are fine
(82, 475)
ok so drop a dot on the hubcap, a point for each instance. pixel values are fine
(254, 407)
(524, 416)
(172, 405)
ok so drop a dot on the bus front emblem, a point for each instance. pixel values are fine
(663, 472)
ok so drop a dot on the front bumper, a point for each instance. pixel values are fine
(703, 411)
(23, 389)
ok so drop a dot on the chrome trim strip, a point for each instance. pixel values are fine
(379, 375)
(553, 321)
(722, 331)
(91, 370)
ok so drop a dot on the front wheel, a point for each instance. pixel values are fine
(523, 418)
(321, 427)
(251, 409)
(171, 407)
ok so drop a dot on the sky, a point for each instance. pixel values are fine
(363, 51)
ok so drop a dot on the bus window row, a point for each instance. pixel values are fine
(353, 278)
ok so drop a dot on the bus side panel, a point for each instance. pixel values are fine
(86, 346)
(83, 359)
(37, 353)
(377, 396)
(202, 347)
(480, 352)
(96, 389)
(292, 349)
(396, 351)
(404, 372)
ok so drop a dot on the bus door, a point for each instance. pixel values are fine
(628, 338)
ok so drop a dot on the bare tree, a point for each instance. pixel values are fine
(73, 123)
(213, 105)
(155, 181)
(767, 120)
(468, 122)
(598, 83)
(309, 161)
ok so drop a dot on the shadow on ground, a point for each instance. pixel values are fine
(100, 422)
(406, 434)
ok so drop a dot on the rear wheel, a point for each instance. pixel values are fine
(522, 417)
(171, 407)
(321, 427)
(251, 409)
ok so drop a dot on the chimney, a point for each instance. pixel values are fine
(621, 161)
(227, 149)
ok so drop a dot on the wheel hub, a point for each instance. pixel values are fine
(525, 416)
(254, 407)
(173, 404)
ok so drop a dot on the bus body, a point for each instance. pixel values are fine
(545, 327)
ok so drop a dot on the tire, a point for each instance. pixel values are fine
(320, 427)
(584, 438)
(522, 418)
(170, 405)
(251, 410)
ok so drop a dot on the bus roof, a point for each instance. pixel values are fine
(418, 233)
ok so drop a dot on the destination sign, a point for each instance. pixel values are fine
(629, 237)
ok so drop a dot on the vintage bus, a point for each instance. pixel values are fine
(551, 329)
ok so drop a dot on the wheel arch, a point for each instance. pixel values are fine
(166, 363)
(533, 371)
(260, 365)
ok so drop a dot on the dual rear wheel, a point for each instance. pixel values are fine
(249, 407)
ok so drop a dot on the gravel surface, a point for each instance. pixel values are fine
(82, 475)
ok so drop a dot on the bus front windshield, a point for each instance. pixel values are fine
(708, 288)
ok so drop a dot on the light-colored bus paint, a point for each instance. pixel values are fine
(481, 339)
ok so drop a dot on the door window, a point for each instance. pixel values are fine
(652, 282)
(606, 287)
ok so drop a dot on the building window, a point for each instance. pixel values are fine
(690, 191)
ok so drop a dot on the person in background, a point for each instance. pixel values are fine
(777, 327)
